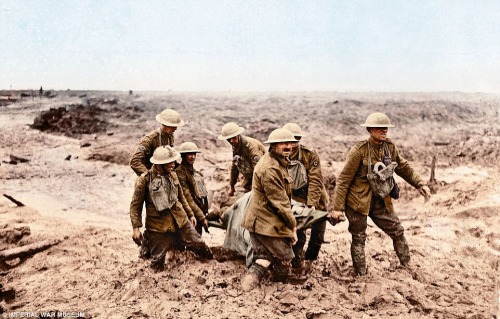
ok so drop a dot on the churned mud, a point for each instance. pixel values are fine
(66, 159)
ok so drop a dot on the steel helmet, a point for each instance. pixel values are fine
(280, 135)
(188, 147)
(230, 130)
(164, 155)
(377, 120)
(294, 128)
(169, 117)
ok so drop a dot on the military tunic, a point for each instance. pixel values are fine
(140, 159)
(245, 157)
(185, 173)
(155, 221)
(269, 212)
(353, 188)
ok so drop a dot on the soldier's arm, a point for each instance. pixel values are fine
(274, 188)
(405, 170)
(233, 174)
(137, 202)
(345, 178)
(315, 180)
(198, 213)
(184, 203)
(138, 158)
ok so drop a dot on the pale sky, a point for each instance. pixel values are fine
(219, 45)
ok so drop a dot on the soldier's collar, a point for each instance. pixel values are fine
(281, 159)
(188, 166)
(296, 153)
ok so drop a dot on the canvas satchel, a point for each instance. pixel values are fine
(244, 166)
(298, 172)
(380, 178)
(387, 160)
(163, 192)
(201, 188)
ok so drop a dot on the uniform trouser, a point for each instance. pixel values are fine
(199, 227)
(274, 249)
(315, 241)
(386, 221)
(160, 243)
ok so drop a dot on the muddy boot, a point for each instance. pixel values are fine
(402, 249)
(253, 277)
(281, 269)
(296, 279)
(358, 257)
(204, 252)
(298, 261)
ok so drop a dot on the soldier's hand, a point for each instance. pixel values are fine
(425, 191)
(231, 191)
(137, 236)
(335, 217)
(193, 221)
(294, 236)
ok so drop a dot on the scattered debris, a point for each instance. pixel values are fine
(24, 252)
(15, 201)
(13, 235)
(18, 159)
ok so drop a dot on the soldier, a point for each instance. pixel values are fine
(307, 188)
(359, 197)
(167, 223)
(193, 185)
(246, 153)
(269, 217)
(170, 120)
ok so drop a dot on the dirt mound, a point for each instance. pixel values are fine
(71, 120)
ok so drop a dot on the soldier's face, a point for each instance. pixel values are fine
(234, 141)
(168, 129)
(190, 158)
(166, 168)
(378, 134)
(295, 145)
(284, 148)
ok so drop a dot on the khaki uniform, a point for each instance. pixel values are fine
(269, 217)
(313, 194)
(354, 196)
(269, 212)
(199, 205)
(163, 228)
(245, 157)
(140, 158)
(353, 189)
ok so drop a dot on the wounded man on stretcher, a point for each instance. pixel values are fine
(237, 238)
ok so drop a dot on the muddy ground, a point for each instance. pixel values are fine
(69, 166)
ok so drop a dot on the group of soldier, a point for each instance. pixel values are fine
(175, 196)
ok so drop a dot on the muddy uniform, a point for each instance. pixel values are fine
(354, 196)
(195, 192)
(245, 157)
(269, 217)
(310, 190)
(140, 159)
(164, 228)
